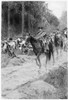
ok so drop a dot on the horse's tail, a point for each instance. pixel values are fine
(50, 49)
(49, 54)
(61, 43)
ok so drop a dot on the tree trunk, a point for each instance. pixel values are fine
(29, 23)
(23, 19)
(9, 20)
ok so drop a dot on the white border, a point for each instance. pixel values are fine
(0, 33)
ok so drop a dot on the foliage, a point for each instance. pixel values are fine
(34, 12)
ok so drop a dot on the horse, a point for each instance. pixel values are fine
(18, 41)
(39, 48)
(11, 48)
(58, 42)
(61, 43)
(23, 46)
(5, 48)
(49, 50)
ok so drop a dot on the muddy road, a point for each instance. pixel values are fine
(20, 77)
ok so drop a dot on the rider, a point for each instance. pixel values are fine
(10, 39)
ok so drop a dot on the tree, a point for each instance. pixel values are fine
(36, 12)
(26, 16)
(4, 17)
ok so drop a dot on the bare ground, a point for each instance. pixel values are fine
(21, 78)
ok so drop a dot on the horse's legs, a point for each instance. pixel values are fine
(13, 55)
(38, 60)
(9, 53)
(57, 51)
(53, 58)
(46, 59)
(61, 48)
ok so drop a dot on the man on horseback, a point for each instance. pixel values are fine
(39, 48)
(58, 41)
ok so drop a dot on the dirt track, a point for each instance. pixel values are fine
(20, 77)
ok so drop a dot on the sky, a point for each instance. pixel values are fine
(57, 7)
